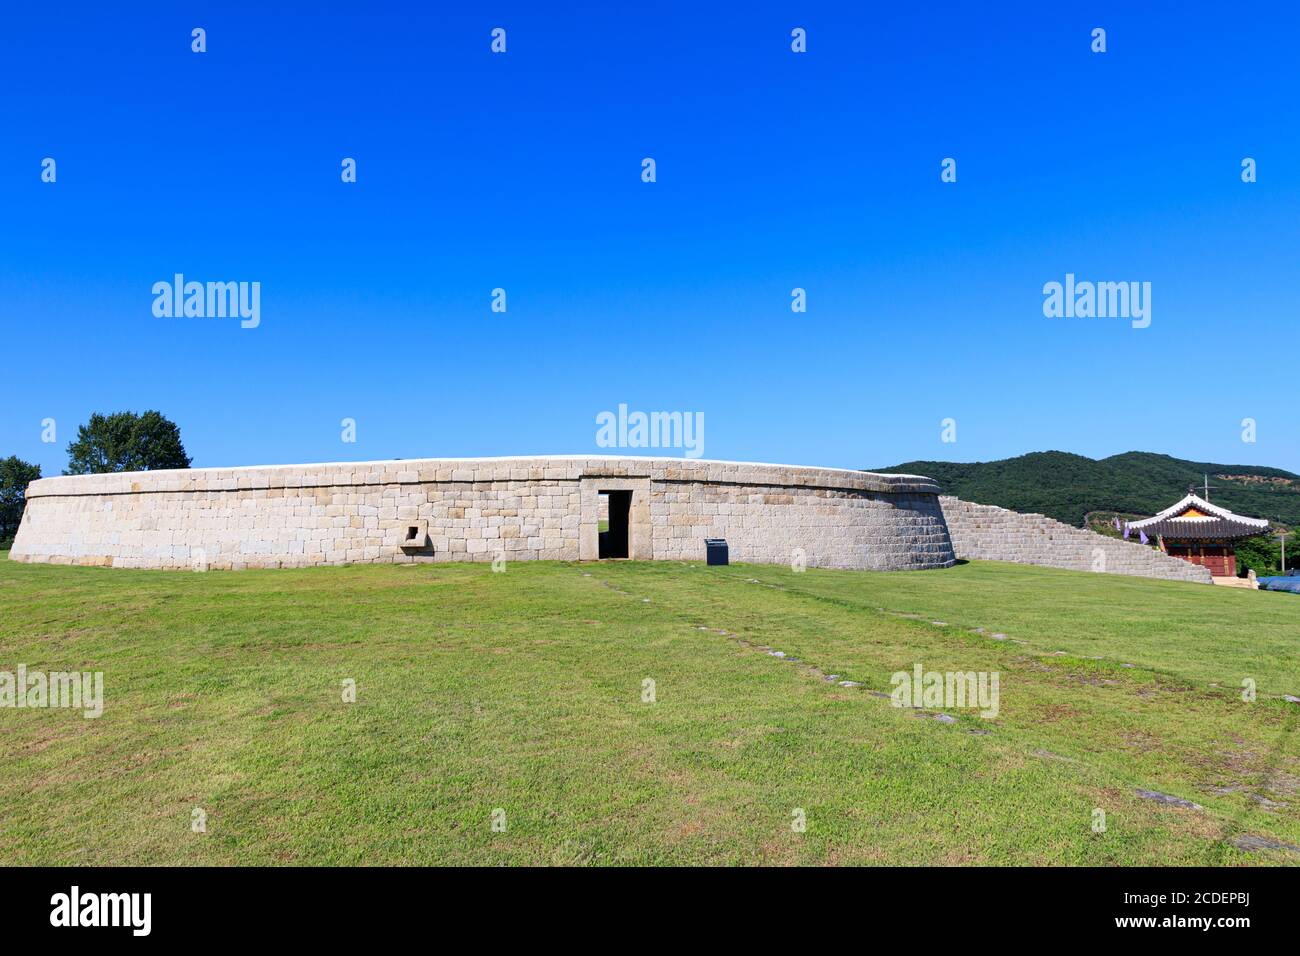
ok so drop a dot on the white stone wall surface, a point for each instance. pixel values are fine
(542, 508)
(530, 508)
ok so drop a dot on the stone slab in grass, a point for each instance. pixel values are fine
(1252, 842)
(1165, 798)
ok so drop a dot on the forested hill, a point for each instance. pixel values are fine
(1067, 487)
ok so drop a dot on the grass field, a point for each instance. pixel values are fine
(522, 692)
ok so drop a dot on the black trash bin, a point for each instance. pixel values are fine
(715, 550)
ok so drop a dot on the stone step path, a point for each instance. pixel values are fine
(836, 679)
(1246, 842)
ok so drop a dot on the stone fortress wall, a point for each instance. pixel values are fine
(544, 508)
(480, 510)
(989, 533)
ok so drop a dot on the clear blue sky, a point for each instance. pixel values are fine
(775, 170)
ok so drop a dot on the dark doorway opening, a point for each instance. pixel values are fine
(614, 540)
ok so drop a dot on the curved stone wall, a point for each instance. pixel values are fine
(481, 510)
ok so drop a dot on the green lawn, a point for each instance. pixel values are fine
(523, 691)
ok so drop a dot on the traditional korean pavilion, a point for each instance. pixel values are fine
(1201, 533)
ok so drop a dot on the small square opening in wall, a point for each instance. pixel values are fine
(414, 535)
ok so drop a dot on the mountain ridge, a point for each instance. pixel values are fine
(1068, 487)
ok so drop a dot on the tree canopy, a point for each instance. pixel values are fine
(15, 476)
(125, 441)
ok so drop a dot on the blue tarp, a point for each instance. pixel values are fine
(1289, 583)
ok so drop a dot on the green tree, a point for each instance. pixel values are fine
(15, 476)
(1263, 554)
(125, 441)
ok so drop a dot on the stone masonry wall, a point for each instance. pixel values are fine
(478, 510)
(541, 508)
(835, 528)
(990, 533)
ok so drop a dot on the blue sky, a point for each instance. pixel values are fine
(775, 170)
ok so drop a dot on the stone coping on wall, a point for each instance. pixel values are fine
(473, 470)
